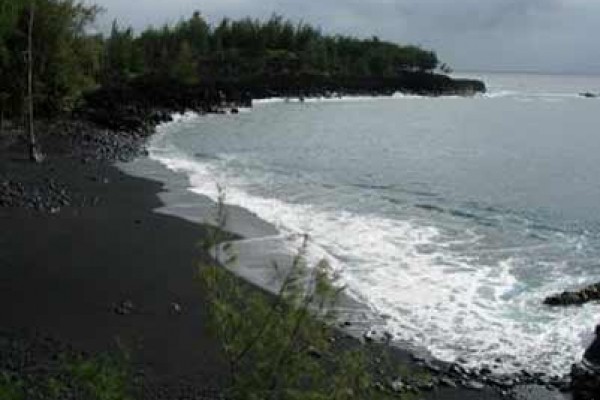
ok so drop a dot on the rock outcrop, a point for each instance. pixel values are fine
(578, 297)
(586, 383)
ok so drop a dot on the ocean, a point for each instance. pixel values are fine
(453, 217)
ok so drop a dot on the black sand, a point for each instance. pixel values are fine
(63, 274)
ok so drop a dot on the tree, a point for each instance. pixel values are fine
(9, 11)
(65, 58)
(184, 69)
(12, 61)
(34, 152)
(67, 55)
(3, 99)
(122, 58)
(446, 69)
(196, 32)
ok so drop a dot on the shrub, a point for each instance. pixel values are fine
(279, 347)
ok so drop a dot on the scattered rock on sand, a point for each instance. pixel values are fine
(44, 195)
(125, 307)
(370, 335)
(373, 335)
(474, 385)
(398, 386)
(175, 308)
(447, 382)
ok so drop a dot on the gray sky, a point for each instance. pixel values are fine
(476, 35)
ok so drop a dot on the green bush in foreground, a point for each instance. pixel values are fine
(104, 378)
(94, 378)
(279, 347)
(11, 388)
(275, 347)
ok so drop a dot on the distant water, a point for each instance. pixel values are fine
(453, 216)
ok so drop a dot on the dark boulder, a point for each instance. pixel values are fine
(585, 383)
(578, 297)
(592, 355)
(585, 376)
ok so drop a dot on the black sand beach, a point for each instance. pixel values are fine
(104, 272)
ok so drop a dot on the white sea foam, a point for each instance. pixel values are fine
(183, 117)
(336, 99)
(490, 94)
(500, 93)
(530, 96)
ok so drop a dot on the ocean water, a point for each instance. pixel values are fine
(452, 216)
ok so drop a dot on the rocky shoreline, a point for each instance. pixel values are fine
(139, 105)
(507, 385)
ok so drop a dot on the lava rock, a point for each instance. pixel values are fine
(314, 352)
(473, 385)
(585, 383)
(398, 386)
(578, 297)
(126, 307)
(445, 381)
(175, 308)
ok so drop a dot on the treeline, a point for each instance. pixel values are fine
(68, 59)
(193, 50)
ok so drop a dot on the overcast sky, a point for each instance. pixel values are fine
(472, 35)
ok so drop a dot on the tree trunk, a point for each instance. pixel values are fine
(4, 97)
(34, 151)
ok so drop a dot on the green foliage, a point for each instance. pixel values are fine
(9, 12)
(122, 59)
(9, 59)
(101, 378)
(249, 47)
(95, 378)
(66, 57)
(196, 33)
(184, 68)
(278, 347)
(11, 388)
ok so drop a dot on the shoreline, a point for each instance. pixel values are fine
(255, 249)
(122, 225)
